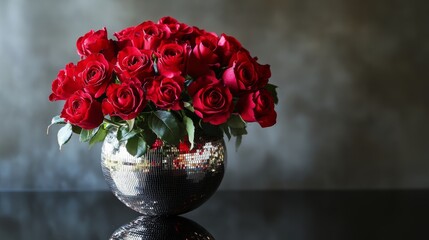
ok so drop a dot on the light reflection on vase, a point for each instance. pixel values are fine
(154, 228)
(166, 180)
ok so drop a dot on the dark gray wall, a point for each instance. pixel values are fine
(352, 76)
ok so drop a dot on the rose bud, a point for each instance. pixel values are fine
(82, 110)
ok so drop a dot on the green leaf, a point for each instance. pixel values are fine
(86, 135)
(131, 123)
(64, 134)
(136, 146)
(235, 121)
(155, 65)
(238, 142)
(238, 131)
(211, 130)
(76, 129)
(149, 136)
(189, 106)
(124, 133)
(272, 89)
(165, 125)
(225, 129)
(56, 120)
(117, 81)
(190, 128)
(99, 136)
(238, 128)
(188, 78)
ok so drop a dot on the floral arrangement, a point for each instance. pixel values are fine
(162, 82)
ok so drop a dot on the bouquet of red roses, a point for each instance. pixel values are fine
(161, 81)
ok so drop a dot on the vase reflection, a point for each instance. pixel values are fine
(153, 228)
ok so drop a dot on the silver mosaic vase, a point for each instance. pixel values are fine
(166, 180)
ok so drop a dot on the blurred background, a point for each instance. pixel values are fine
(352, 75)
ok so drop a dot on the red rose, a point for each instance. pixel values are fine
(228, 46)
(177, 29)
(65, 84)
(146, 35)
(126, 100)
(172, 58)
(264, 73)
(242, 74)
(212, 101)
(171, 23)
(203, 55)
(126, 36)
(95, 42)
(95, 73)
(82, 110)
(132, 62)
(153, 34)
(257, 107)
(165, 92)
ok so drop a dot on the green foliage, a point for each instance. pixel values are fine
(149, 136)
(55, 120)
(272, 89)
(236, 127)
(190, 129)
(99, 136)
(225, 129)
(93, 136)
(189, 107)
(136, 146)
(235, 121)
(86, 135)
(131, 123)
(77, 130)
(124, 133)
(165, 125)
(211, 130)
(64, 134)
(238, 134)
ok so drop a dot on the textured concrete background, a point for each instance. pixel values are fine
(353, 78)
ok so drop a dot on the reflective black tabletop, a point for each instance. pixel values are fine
(227, 215)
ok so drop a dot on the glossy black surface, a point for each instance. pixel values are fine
(227, 215)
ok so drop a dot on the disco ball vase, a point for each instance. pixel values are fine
(167, 180)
